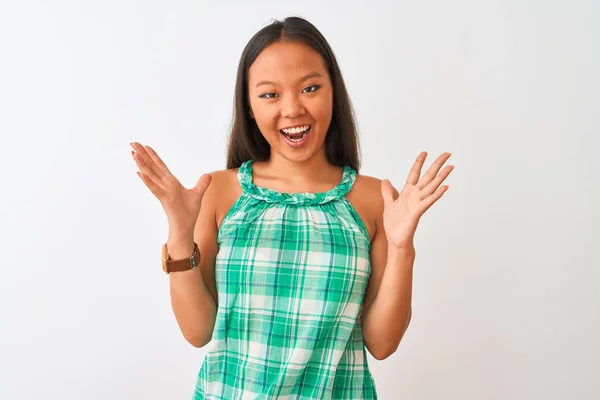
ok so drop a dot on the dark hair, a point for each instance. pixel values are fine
(247, 143)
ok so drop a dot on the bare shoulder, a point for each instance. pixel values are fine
(366, 198)
(368, 187)
(223, 191)
(223, 179)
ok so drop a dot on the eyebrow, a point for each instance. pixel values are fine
(304, 78)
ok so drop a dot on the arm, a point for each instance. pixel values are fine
(388, 299)
(193, 293)
(387, 308)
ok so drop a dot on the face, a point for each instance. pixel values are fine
(291, 100)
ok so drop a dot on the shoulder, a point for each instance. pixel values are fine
(223, 191)
(366, 198)
(223, 179)
(367, 189)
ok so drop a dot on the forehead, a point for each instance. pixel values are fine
(286, 60)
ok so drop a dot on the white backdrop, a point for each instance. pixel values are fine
(506, 302)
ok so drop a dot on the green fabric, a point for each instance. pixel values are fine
(291, 275)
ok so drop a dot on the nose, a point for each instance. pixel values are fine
(291, 107)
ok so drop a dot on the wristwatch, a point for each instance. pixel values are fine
(185, 264)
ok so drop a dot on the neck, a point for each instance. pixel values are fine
(311, 169)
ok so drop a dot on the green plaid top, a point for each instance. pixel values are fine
(291, 275)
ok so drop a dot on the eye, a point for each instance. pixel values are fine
(268, 95)
(311, 89)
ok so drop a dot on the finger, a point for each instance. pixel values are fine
(140, 155)
(157, 160)
(387, 192)
(428, 202)
(434, 169)
(153, 170)
(395, 193)
(143, 167)
(154, 188)
(435, 184)
(415, 171)
(202, 184)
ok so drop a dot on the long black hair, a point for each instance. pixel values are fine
(247, 143)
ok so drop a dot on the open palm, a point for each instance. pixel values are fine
(402, 211)
(181, 205)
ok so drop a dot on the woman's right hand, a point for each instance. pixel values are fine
(181, 205)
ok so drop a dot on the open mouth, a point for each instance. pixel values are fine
(296, 134)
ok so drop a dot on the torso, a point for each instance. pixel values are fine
(292, 272)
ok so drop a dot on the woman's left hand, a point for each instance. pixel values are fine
(402, 211)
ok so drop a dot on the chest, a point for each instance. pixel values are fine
(318, 256)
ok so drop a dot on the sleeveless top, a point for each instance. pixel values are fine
(291, 274)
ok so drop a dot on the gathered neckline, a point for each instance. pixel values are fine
(305, 198)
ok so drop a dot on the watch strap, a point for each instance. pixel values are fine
(170, 265)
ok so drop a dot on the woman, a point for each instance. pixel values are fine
(303, 262)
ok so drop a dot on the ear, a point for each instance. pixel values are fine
(251, 114)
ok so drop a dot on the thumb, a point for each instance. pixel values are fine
(387, 192)
(202, 184)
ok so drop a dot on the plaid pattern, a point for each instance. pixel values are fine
(291, 274)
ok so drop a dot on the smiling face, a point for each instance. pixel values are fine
(291, 100)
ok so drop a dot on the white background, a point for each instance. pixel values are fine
(506, 302)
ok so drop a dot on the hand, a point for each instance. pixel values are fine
(181, 205)
(402, 211)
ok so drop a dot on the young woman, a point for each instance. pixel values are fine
(303, 263)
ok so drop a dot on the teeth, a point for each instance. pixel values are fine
(296, 129)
